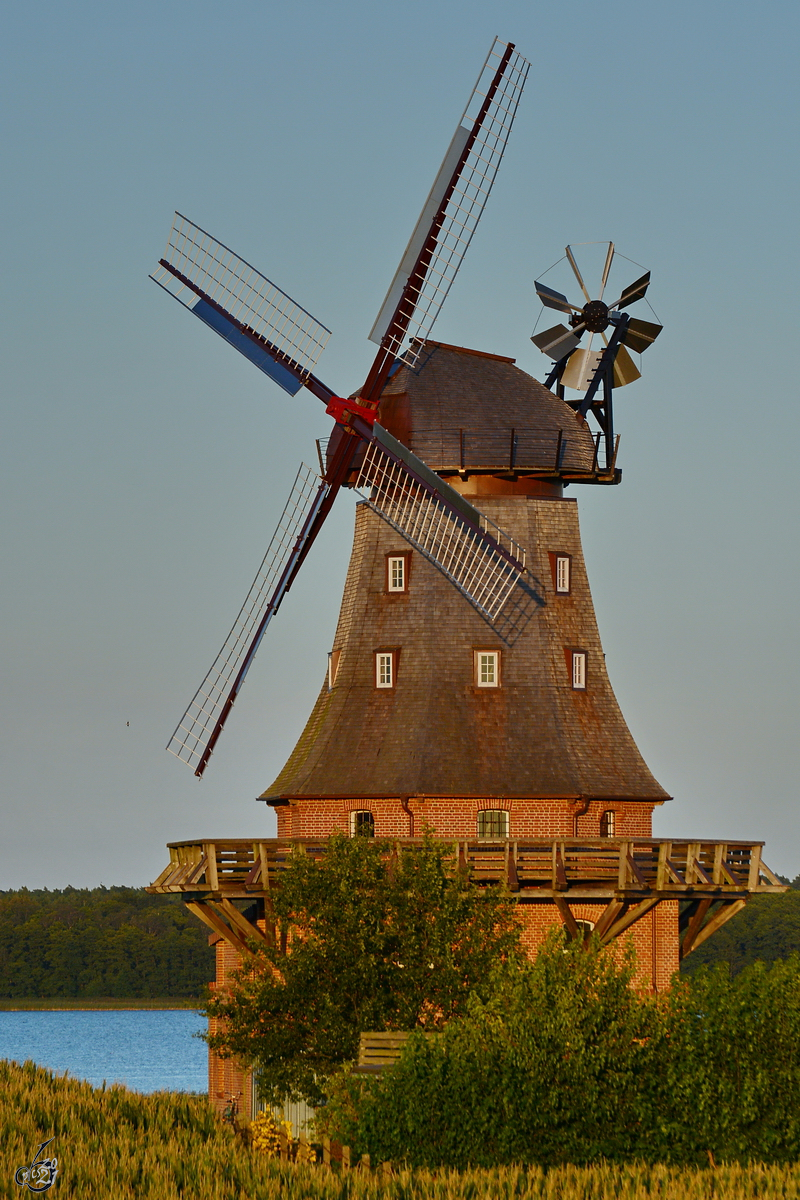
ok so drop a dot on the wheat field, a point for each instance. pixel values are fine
(113, 1142)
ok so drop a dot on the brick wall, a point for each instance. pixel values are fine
(457, 818)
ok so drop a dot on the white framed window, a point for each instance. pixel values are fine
(384, 669)
(487, 668)
(493, 823)
(362, 824)
(584, 930)
(579, 670)
(563, 574)
(608, 824)
(333, 667)
(397, 572)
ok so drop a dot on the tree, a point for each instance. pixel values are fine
(373, 940)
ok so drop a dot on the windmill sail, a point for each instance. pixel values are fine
(454, 206)
(241, 305)
(201, 724)
(479, 559)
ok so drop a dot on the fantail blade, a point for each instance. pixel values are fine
(633, 292)
(556, 342)
(553, 299)
(641, 334)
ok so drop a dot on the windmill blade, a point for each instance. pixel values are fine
(556, 342)
(553, 299)
(581, 368)
(640, 334)
(606, 269)
(453, 208)
(241, 305)
(577, 274)
(195, 737)
(633, 292)
(484, 564)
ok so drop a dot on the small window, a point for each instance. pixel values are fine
(362, 824)
(579, 670)
(608, 823)
(333, 667)
(384, 669)
(493, 823)
(487, 668)
(584, 930)
(397, 572)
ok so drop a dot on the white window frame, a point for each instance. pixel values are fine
(578, 665)
(489, 677)
(361, 812)
(563, 574)
(384, 668)
(399, 561)
(333, 666)
(492, 812)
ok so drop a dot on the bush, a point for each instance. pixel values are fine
(567, 1063)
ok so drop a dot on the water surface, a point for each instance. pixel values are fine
(147, 1050)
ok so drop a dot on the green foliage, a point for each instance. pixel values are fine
(117, 941)
(114, 1143)
(569, 1064)
(376, 941)
(766, 929)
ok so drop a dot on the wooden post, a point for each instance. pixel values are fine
(326, 1151)
(366, 1163)
(346, 1158)
(283, 1142)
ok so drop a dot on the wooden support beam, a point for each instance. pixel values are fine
(622, 869)
(700, 870)
(664, 852)
(731, 875)
(726, 910)
(512, 879)
(559, 873)
(240, 923)
(211, 870)
(566, 915)
(636, 873)
(674, 873)
(755, 868)
(609, 916)
(629, 918)
(210, 918)
(694, 926)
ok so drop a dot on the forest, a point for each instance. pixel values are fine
(121, 942)
(100, 942)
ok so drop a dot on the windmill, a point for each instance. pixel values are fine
(284, 341)
(585, 369)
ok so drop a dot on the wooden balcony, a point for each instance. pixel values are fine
(628, 877)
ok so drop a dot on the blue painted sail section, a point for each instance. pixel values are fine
(246, 346)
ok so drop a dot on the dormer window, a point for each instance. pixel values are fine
(578, 662)
(561, 567)
(333, 667)
(385, 668)
(397, 572)
(487, 668)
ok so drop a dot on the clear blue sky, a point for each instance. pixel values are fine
(144, 463)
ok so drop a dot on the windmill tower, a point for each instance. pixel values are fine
(466, 689)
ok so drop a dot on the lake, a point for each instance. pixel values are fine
(147, 1050)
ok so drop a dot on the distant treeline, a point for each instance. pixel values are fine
(121, 942)
(85, 942)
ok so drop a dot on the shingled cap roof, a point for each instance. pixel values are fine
(459, 408)
(435, 732)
